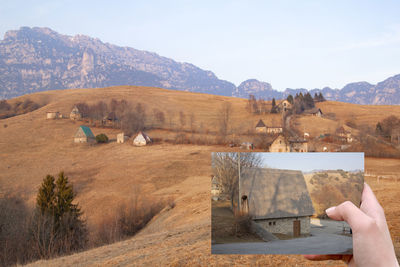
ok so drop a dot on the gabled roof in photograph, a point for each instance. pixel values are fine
(275, 193)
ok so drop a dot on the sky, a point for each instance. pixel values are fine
(314, 161)
(290, 44)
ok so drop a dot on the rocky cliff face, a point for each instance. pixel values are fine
(37, 59)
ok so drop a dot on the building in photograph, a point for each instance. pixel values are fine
(52, 115)
(260, 127)
(279, 144)
(277, 200)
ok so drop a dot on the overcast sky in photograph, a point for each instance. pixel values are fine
(314, 161)
(290, 44)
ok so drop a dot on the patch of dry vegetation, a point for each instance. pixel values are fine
(330, 188)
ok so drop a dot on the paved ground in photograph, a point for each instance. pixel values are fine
(326, 238)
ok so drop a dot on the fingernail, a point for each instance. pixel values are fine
(331, 209)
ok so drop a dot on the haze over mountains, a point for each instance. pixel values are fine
(39, 59)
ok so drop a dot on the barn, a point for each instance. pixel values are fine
(84, 135)
(141, 139)
(277, 200)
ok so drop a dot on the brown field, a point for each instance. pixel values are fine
(104, 175)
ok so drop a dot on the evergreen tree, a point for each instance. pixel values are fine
(58, 227)
(321, 98)
(273, 108)
(308, 101)
(379, 129)
(45, 199)
(290, 99)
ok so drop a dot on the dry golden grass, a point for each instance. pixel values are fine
(104, 175)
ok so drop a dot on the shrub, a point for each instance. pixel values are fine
(101, 138)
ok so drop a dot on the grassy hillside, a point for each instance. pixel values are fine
(106, 175)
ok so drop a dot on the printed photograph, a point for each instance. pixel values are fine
(274, 203)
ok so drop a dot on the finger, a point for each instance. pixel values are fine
(369, 203)
(348, 212)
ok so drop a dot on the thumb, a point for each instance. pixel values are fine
(348, 212)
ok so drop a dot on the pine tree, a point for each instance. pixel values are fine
(58, 226)
(45, 199)
(290, 99)
(273, 108)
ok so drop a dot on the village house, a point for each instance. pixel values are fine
(284, 106)
(141, 139)
(260, 127)
(121, 138)
(344, 135)
(298, 145)
(274, 129)
(52, 115)
(277, 200)
(75, 114)
(279, 144)
(317, 112)
(84, 135)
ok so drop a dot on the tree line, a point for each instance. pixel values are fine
(299, 103)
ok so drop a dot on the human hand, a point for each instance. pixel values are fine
(372, 244)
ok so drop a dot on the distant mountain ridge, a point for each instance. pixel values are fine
(39, 59)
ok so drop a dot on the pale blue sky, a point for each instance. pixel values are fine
(287, 43)
(314, 161)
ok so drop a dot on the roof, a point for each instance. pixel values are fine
(313, 111)
(86, 130)
(260, 124)
(144, 135)
(275, 193)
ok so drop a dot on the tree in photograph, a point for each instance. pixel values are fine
(225, 168)
(224, 116)
(308, 101)
(192, 121)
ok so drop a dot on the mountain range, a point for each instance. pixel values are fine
(39, 59)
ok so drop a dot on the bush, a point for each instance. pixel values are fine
(101, 138)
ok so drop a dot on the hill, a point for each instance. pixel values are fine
(105, 175)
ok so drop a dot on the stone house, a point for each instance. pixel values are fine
(344, 135)
(260, 127)
(284, 106)
(279, 144)
(141, 139)
(52, 115)
(84, 135)
(277, 200)
(298, 145)
(75, 114)
(121, 138)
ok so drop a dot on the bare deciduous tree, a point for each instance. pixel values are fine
(225, 168)
(224, 116)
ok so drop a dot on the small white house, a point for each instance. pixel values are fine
(141, 139)
(52, 115)
(121, 138)
(75, 114)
